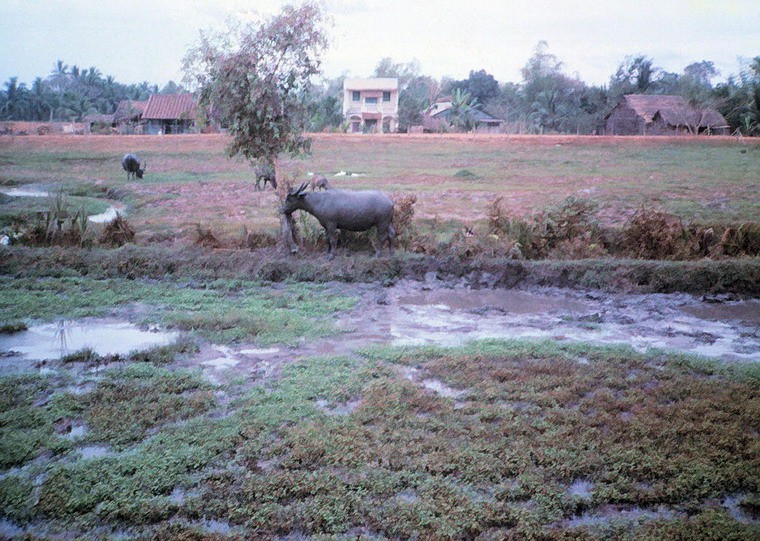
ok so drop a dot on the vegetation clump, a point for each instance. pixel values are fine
(13, 327)
(117, 232)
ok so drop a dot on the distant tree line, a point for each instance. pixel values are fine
(69, 93)
(547, 100)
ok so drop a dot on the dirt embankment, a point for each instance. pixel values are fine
(734, 276)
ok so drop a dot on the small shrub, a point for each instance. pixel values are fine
(521, 234)
(468, 244)
(466, 173)
(13, 327)
(309, 233)
(743, 240)
(403, 216)
(259, 239)
(582, 247)
(570, 219)
(205, 237)
(84, 355)
(117, 232)
(652, 234)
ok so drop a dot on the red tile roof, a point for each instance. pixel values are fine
(169, 107)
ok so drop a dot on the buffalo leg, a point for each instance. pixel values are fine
(331, 241)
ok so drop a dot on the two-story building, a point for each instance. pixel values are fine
(371, 105)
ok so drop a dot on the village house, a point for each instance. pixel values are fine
(644, 114)
(371, 105)
(128, 116)
(437, 118)
(169, 113)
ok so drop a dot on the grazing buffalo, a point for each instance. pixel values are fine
(345, 210)
(265, 173)
(131, 165)
(319, 183)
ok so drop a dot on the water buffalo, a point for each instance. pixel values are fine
(345, 210)
(319, 183)
(265, 173)
(131, 165)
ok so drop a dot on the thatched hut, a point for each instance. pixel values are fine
(128, 116)
(644, 114)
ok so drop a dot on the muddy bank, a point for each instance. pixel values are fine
(412, 313)
(734, 276)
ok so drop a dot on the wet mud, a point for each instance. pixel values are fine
(414, 313)
(435, 313)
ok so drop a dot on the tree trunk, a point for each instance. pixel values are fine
(287, 223)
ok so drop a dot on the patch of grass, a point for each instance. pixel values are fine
(24, 429)
(165, 354)
(215, 309)
(13, 327)
(136, 487)
(16, 498)
(118, 413)
(84, 355)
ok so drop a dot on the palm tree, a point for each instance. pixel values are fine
(463, 106)
(15, 100)
(78, 107)
(59, 77)
(39, 97)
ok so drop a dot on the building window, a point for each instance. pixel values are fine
(386, 96)
(370, 100)
(356, 95)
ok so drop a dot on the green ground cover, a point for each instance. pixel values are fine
(499, 440)
(221, 310)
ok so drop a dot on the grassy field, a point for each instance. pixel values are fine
(190, 181)
(537, 440)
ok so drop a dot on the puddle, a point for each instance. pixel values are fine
(349, 174)
(9, 530)
(413, 313)
(94, 451)
(24, 192)
(101, 218)
(338, 410)
(609, 513)
(105, 337)
(747, 311)
(216, 527)
(581, 489)
(265, 351)
(441, 388)
(110, 214)
(732, 505)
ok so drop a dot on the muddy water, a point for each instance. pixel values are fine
(108, 215)
(434, 313)
(54, 340)
(32, 191)
(413, 313)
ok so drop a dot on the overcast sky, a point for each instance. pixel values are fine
(145, 40)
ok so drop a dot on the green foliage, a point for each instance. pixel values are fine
(256, 85)
(118, 414)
